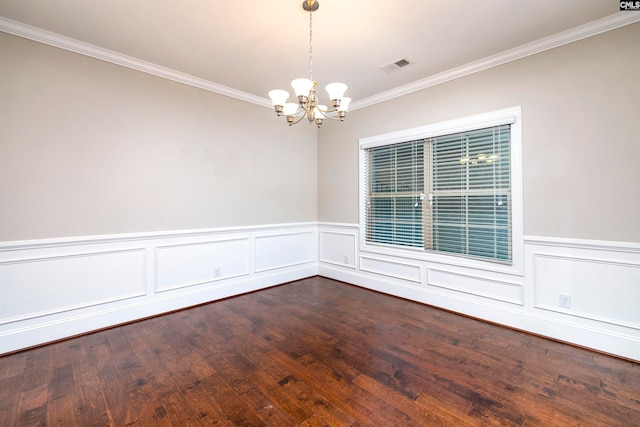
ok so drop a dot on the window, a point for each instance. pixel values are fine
(444, 189)
(396, 181)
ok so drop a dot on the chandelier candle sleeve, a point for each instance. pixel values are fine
(320, 114)
(336, 93)
(302, 88)
(279, 98)
(342, 109)
(305, 90)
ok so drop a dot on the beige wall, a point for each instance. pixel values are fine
(88, 148)
(581, 136)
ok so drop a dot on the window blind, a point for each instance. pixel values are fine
(467, 206)
(394, 189)
(470, 194)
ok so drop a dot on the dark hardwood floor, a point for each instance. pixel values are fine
(315, 353)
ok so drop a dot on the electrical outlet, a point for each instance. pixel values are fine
(216, 272)
(346, 259)
(564, 300)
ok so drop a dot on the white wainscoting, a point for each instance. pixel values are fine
(602, 278)
(277, 251)
(385, 266)
(479, 284)
(29, 285)
(56, 288)
(338, 246)
(197, 263)
(602, 290)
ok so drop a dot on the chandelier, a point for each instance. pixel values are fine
(305, 89)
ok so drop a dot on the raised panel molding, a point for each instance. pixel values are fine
(276, 251)
(474, 284)
(45, 285)
(338, 248)
(602, 290)
(191, 264)
(387, 267)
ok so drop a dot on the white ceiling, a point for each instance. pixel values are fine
(254, 46)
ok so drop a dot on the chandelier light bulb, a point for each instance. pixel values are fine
(336, 92)
(344, 104)
(319, 114)
(342, 109)
(302, 87)
(278, 98)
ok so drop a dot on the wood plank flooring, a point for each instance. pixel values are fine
(315, 353)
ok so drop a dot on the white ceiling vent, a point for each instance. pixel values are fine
(395, 65)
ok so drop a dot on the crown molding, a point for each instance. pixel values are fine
(56, 40)
(599, 26)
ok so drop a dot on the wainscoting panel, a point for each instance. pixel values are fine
(275, 251)
(475, 284)
(387, 267)
(190, 264)
(35, 287)
(338, 248)
(56, 288)
(599, 289)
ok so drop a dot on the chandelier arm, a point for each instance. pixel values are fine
(335, 119)
(325, 114)
(302, 116)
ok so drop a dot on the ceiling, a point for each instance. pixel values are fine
(255, 46)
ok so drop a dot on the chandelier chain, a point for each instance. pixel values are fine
(310, 46)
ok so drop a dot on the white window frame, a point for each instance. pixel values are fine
(512, 116)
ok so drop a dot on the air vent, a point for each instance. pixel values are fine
(395, 65)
